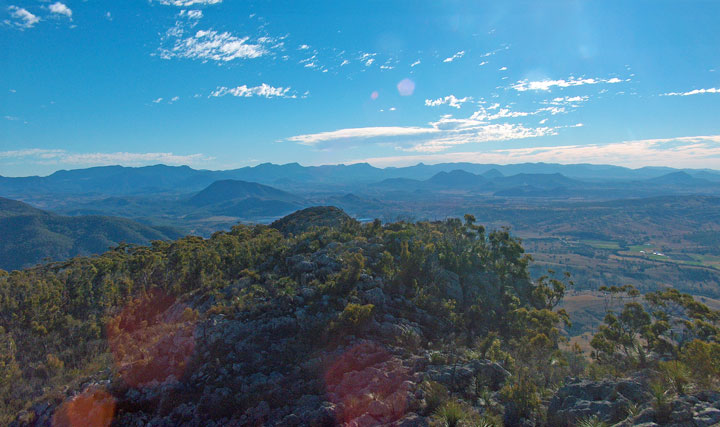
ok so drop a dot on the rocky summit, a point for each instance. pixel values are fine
(318, 320)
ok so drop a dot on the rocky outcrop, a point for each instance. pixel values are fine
(627, 402)
(279, 363)
(317, 216)
(606, 400)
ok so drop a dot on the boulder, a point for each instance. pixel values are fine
(607, 400)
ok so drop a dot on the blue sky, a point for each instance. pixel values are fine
(220, 84)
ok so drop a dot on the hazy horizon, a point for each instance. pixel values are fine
(358, 163)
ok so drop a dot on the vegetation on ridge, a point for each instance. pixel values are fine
(447, 289)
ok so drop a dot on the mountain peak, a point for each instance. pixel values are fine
(229, 189)
(316, 216)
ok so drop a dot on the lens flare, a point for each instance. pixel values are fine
(366, 381)
(93, 407)
(152, 339)
(406, 87)
(374, 95)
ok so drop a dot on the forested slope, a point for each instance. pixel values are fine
(29, 235)
(406, 323)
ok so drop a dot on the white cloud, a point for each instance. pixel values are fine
(303, 47)
(60, 9)
(55, 156)
(458, 55)
(569, 101)
(367, 58)
(174, 99)
(693, 92)
(211, 45)
(359, 133)
(450, 100)
(264, 90)
(415, 63)
(689, 152)
(186, 3)
(157, 101)
(494, 123)
(192, 14)
(546, 85)
(24, 19)
(479, 134)
(437, 137)
(11, 118)
(503, 68)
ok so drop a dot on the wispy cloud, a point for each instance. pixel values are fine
(56, 156)
(450, 100)
(211, 45)
(157, 100)
(414, 64)
(437, 137)
(458, 55)
(569, 101)
(546, 85)
(690, 152)
(693, 92)
(264, 90)
(11, 118)
(486, 124)
(23, 18)
(317, 139)
(367, 58)
(60, 9)
(186, 3)
(191, 14)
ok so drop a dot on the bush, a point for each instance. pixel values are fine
(53, 363)
(355, 315)
(660, 402)
(521, 399)
(675, 374)
(435, 394)
(703, 360)
(451, 414)
(591, 422)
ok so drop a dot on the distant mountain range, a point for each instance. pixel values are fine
(30, 235)
(118, 180)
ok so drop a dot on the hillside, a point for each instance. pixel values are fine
(225, 190)
(30, 235)
(334, 322)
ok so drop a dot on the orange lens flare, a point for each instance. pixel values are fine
(367, 381)
(93, 407)
(152, 339)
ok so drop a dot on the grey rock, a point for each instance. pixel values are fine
(374, 296)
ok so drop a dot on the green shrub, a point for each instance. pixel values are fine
(660, 402)
(451, 414)
(355, 315)
(703, 360)
(591, 422)
(521, 398)
(675, 374)
(435, 395)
